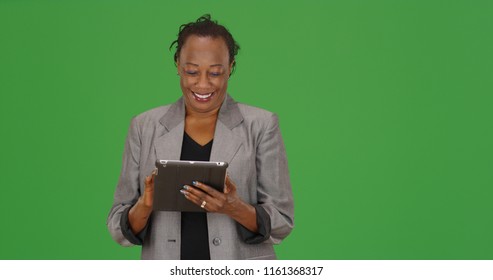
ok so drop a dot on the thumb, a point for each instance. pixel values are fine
(226, 183)
(149, 182)
(153, 175)
(229, 185)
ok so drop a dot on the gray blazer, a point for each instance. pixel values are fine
(246, 137)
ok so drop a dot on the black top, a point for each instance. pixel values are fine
(194, 233)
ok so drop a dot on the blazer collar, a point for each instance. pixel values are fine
(225, 144)
(229, 114)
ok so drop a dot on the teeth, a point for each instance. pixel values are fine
(203, 96)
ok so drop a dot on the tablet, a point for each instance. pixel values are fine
(172, 175)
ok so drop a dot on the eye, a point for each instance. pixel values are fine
(215, 74)
(191, 72)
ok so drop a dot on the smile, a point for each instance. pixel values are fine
(202, 97)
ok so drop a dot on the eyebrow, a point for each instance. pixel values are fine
(212, 65)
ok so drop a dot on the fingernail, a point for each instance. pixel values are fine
(183, 192)
(185, 187)
(194, 183)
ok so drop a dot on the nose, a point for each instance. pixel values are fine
(203, 81)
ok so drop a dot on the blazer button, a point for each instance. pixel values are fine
(216, 241)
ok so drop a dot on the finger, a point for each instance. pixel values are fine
(198, 200)
(197, 192)
(214, 202)
(149, 183)
(226, 189)
(148, 195)
(229, 185)
(207, 189)
(153, 175)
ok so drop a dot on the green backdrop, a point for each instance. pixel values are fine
(386, 110)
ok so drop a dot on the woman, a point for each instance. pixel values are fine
(255, 210)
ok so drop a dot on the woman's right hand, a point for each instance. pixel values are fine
(140, 212)
(147, 197)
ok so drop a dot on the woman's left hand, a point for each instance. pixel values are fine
(210, 199)
(227, 202)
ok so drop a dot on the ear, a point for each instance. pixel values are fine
(231, 67)
(177, 64)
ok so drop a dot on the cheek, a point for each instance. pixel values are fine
(222, 83)
(185, 83)
(189, 83)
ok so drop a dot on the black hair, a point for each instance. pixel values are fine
(205, 27)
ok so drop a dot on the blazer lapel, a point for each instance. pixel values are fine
(168, 145)
(226, 143)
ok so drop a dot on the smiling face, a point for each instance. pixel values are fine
(204, 68)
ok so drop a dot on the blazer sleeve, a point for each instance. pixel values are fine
(274, 192)
(127, 190)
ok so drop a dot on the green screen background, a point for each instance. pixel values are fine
(386, 110)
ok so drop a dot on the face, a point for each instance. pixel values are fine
(204, 68)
